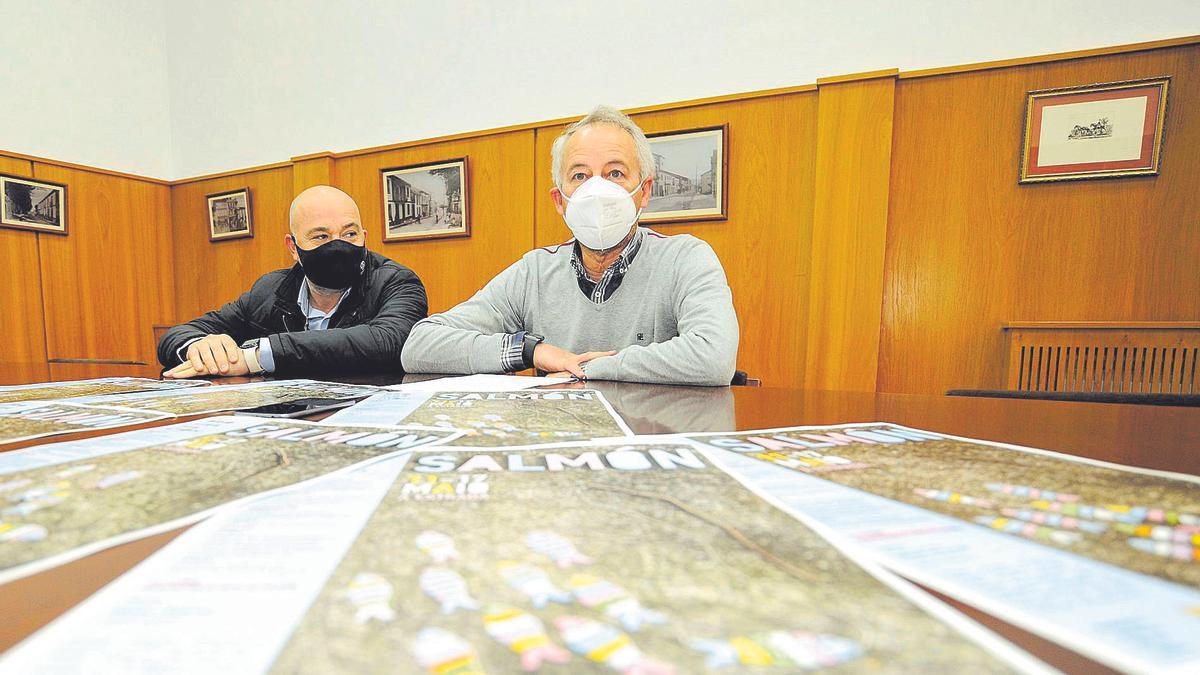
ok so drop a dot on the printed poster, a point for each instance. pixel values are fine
(495, 419)
(62, 501)
(220, 398)
(35, 419)
(637, 556)
(46, 391)
(1098, 556)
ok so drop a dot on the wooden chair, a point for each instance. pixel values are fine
(742, 379)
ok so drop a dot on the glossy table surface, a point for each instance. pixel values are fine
(1158, 437)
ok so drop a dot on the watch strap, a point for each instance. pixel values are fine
(532, 340)
(250, 353)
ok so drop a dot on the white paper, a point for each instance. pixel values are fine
(1126, 115)
(386, 408)
(480, 383)
(1128, 620)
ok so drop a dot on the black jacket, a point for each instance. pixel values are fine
(366, 333)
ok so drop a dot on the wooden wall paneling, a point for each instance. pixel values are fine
(103, 284)
(310, 170)
(23, 358)
(209, 274)
(763, 244)
(500, 193)
(853, 159)
(969, 249)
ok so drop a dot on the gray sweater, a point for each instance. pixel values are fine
(671, 320)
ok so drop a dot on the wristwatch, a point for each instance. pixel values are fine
(531, 341)
(250, 353)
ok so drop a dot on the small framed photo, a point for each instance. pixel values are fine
(29, 204)
(690, 173)
(1095, 131)
(426, 201)
(229, 215)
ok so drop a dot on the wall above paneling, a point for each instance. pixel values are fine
(174, 89)
(876, 237)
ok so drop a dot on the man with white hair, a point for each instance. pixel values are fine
(339, 309)
(618, 302)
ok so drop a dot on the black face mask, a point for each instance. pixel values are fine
(335, 266)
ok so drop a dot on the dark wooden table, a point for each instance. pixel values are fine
(1157, 437)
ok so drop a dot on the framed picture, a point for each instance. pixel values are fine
(229, 215)
(1096, 131)
(426, 201)
(30, 204)
(691, 169)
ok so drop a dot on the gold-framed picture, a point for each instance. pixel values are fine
(28, 204)
(426, 201)
(1108, 130)
(229, 215)
(691, 172)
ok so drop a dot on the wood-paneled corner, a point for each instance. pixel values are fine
(107, 281)
(850, 220)
(969, 249)
(500, 202)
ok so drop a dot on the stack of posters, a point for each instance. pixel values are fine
(55, 408)
(496, 418)
(62, 501)
(1102, 558)
(24, 420)
(519, 531)
(49, 391)
(227, 397)
(633, 556)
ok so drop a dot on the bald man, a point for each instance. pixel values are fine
(339, 309)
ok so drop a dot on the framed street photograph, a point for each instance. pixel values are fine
(426, 201)
(33, 205)
(691, 169)
(229, 215)
(1095, 131)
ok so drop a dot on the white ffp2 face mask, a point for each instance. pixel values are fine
(600, 213)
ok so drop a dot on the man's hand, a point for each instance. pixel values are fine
(216, 355)
(551, 359)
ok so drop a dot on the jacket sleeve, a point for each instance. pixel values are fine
(704, 352)
(374, 344)
(468, 338)
(230, 319)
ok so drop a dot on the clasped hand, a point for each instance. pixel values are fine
(216, 355)
(559, 362)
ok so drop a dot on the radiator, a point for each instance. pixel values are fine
(1150, 358)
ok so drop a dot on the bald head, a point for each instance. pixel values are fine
(322, 214)
(322, 202)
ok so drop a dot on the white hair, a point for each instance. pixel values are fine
(603, 114)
